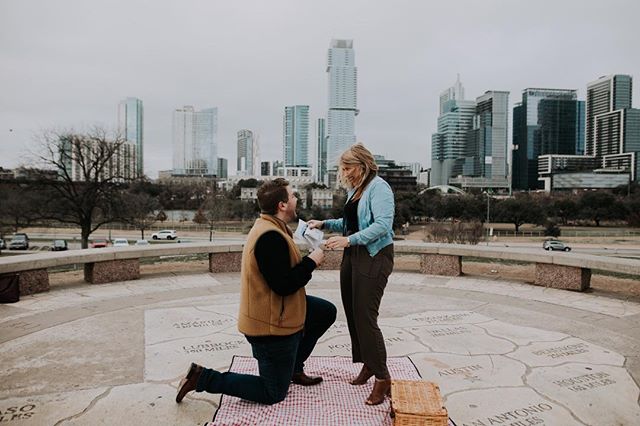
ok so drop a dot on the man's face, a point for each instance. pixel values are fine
(290, 207)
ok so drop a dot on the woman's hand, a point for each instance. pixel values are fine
(336, 243)
(315, 224)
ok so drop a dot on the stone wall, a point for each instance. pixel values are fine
(563, 277)
(441, 264)
(111, 271)
(225, 262)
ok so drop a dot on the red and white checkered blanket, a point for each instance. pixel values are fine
(333, 402)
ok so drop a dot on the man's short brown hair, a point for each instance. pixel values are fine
(272, 192)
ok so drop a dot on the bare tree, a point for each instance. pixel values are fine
(214, 209)
(91, 168)
(140, 210)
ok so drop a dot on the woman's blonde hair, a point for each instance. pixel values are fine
(359, 156)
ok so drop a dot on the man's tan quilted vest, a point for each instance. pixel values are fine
(263, 312)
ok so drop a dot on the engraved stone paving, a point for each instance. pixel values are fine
(495, 362)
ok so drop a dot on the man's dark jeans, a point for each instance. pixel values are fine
(278, 358)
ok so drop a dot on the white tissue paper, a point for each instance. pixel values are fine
(303, 233)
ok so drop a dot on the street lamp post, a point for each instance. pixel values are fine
(488, 214)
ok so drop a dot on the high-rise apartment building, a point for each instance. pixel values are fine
(321, 144)
(130, 125)
(246, 152)
(547, 121)
(296, 136)
(76, 151)
(449, 144)
(343, 82)
(606, 94)
(195, 142)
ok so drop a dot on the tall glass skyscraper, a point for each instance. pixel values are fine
(547, 121)
(485, 163)
(246, 150)
(343, 82)
(195, 145)
(130, 125)
(296, 136)
(321, 133)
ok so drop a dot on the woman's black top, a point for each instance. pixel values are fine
(351, 216)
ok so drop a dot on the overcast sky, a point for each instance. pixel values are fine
(67, 63)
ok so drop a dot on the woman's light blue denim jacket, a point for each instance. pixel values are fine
(375, 217)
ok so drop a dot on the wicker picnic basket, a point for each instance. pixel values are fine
(417, 403)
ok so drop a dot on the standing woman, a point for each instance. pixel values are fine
(367, 262)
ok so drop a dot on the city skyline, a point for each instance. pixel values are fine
(65, 67)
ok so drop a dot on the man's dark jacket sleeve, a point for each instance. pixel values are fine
(272, 254)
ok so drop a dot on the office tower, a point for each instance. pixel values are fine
(246, 152)
(453, 93)
(223, 168)
(485, 164)
(195, 142)
(606, 94)
(321, 163)
(343, 81)
(612, 141)
(296, 136)
(490, 126)
(265, 168)
(130, 125)
(547, 121)
(449, 144)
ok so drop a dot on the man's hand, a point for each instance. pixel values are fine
(315, 224)
(317, 256)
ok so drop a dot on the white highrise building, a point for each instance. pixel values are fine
(343, 83)
(245, 148)
(195, 145)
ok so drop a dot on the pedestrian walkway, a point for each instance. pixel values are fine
(502, 352)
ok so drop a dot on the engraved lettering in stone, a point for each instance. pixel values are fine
(460, 371)
(17, 413)
(388, 340)
(200, 324)
(525, 416)
(442, 318)
(449, 331)
(213, 347)
(562, 351)
(586, 381)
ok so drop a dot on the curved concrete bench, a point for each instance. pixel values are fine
(571, 271)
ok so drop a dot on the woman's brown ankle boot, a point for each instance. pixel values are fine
(364, 375)
(380, 389)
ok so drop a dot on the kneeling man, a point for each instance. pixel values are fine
(279, 320)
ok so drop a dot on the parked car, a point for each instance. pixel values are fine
(120, 242)
(165, 234)
(20, 241)
(3, 245)
(142, 243)
(99, 243)
(555, 245)
(59, 245)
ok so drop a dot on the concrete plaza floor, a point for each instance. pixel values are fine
(503, 353)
